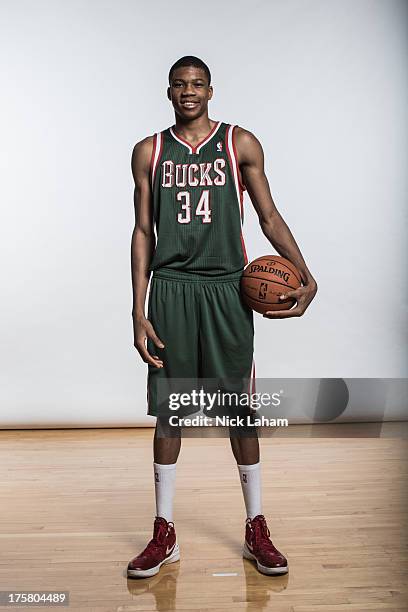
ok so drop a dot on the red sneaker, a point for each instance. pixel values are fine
(161, 549)
(258, 547)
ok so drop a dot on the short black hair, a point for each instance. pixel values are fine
(190, 60)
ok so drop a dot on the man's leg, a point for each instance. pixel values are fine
(166, 449)
(173, 315)
(246, 453)
(226, 339)
(172, 311)
(163, 547)
(166, 442)
(258, 546)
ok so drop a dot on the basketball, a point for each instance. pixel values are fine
(265, 279)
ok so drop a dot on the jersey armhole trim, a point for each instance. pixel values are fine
(234, 166)
(234, 148)
(156, 154)
(231, 153)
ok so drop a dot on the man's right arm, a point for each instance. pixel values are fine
(142, 248)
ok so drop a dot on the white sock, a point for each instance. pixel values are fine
(164, 484)
(250, 476)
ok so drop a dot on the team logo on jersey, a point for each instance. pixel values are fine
(193, 175)
(219, 146)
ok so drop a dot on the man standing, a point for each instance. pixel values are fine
(189, 183)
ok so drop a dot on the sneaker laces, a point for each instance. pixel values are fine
(261, 532)
(160, 532)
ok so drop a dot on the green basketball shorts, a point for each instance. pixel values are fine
(208, 333)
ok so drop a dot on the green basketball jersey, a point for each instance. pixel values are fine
(197, 203)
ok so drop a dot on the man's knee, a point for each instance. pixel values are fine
(165, 430)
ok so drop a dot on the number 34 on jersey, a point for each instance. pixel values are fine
(203, 208)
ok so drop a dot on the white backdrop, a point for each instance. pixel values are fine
(323, 85)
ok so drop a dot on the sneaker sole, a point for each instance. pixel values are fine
(268, 571)
(175, 556)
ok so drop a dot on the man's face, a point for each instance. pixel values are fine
(189, 92)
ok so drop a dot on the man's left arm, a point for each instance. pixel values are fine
(251, 163)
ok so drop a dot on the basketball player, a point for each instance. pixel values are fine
(189, 181)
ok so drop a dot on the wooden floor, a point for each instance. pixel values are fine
(78, 504)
